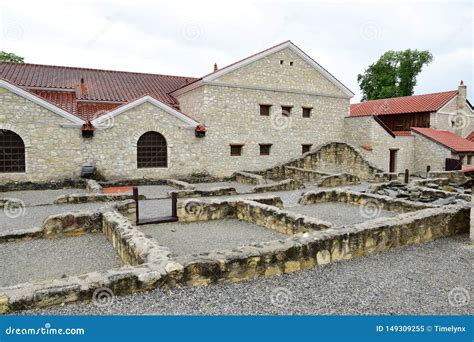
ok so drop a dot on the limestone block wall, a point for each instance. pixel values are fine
(430, 153)
(360, 131)
(114, 150)
(52, 152)
(333, 157)
(442, 119)
(229, 108)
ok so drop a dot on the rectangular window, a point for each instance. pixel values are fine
(265, 149)
(307, 112)
(305, 148)
(286, 110)
(265, 110)
(236, 150)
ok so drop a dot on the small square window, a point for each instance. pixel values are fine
(306, 112)
(265, 110)
(291, 63)
(265, 149)
(305, 148)
(286, 110)
(281, 61)
(236, 150)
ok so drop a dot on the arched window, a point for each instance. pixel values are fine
(12, 152)
(152, 151)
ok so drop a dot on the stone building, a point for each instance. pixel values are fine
(414, 132)
(260, 111)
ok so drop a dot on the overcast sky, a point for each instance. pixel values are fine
(186, 38)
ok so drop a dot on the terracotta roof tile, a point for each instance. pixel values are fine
(103, 90)
(470, 137)
(446, 138)
(401, 105)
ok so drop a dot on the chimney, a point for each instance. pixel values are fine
(462, 96)
(215, 67)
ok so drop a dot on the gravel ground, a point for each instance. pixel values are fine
(340, 213)
(40, 197)
(52, 258)
(193, 238)
(413, 280)
(30, 217)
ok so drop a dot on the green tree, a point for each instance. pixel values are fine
(394, 74)
(10, 57)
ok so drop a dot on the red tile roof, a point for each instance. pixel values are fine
(470, 137)
(406, 104)
(446, 138)
(68, 87)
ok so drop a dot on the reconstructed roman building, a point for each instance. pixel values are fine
(251, 115)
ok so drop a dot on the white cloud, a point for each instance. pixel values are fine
(187, 37)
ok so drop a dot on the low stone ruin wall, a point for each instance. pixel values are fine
(219, 191)
(280, 220)
(215, 209)
(306, 250)
(247, 178)
(93, 186)
(86, 198)
(284, 185)
(74, 183)
(305, 175)
(130, 243)
(333, 157)
(453, 176)
(180, 184)
(358, 198)
(70, 223)
(339, 179)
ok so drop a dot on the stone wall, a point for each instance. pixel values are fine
(453, 176)
(365, 131)
(304, 174)
(333, 157)
(306, 250)
(248, 178)
(372, 201)
(338, 179)
(429, 153)
(229, 108)
(284, 185)
(130, 243)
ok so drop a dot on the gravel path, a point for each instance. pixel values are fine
(40, 197)
(192, 238)
(412, 280)
(340, 213)
(52, 258)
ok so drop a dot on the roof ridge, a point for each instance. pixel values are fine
(401, 97)
(93, 69)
